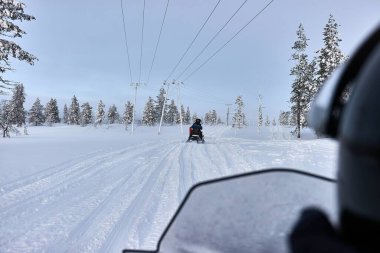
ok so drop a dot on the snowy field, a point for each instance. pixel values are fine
(75, 189)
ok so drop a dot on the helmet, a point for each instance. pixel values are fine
(198, 120)
(355, 123)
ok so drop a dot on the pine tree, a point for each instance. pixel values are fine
(51, 112)
(187, 119)
(128, 113)
(65, 115)
(239, 114)
(11, 11)
(100, 113)
(267, 121)
(194, 117)
(86, 116)
(17, 112)
(330, 56)
(36, 113)
(149, 116)
(74, 112)
(302, 83)
(284, 118)
(159, 103)
(172, 114)
(183, 114)
(274, 123)
(113, 115)
(260, 114)
(5, 119)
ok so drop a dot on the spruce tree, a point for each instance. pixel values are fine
(194, 117)
(260, 114)
(36, 113)
(17, 112)
(159, 104)
(330, 56)
(65, 115)
(113, 115)
(51, 112)
(274, 123)
(74, 112)
(300, 98)
(172, 114)
(239, 116)
(100, 113)
(86, 116)
(11, 11)
(149, 116)
(128, 113)
(267, 121)
(187, 119)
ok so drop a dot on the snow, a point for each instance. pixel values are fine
(86, 189)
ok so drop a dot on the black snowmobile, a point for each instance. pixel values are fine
(196, 135)
(259, 211)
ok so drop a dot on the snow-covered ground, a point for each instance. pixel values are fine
(75, 189)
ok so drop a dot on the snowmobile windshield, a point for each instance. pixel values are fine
(248, 213)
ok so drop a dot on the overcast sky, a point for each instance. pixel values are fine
(81, 49)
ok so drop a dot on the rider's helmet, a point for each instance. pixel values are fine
(354, 120)
(198, 121)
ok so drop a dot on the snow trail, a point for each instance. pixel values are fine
(124, 194)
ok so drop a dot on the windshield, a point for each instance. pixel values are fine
(98, 100)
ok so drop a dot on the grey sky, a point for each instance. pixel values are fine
(81, 49)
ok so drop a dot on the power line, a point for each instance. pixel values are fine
(191, 44)
(142, 41)
(126, 40)
(212, 39)
(217, 51)
(158, 41)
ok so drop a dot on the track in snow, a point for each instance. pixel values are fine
(107, 201)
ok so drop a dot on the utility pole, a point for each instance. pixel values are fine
(163, 106)
(135, 85)
(228, 112)
(178, 84)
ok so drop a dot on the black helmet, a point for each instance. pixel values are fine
(355, 123)
(198, 121)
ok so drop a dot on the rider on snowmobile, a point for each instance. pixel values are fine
(196, 128)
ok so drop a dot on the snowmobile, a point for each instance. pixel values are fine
(256, 212)
(196, 135)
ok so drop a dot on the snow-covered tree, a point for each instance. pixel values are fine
(149, 116)
(113, 115)
(86, 116)
(267, 121)
(36, 113)
(183, 113)
(5, 120)
(11, 11)
(74, 112)
(239, 116)
(159, 103)
(284, 118)
(187, 118)
(51, 112)
(274, 123)
(172, 114)
(211, 118)
(65, 115)
(128, 113)
(17, 113)
(330, 56)
(260, 113)
(303, 81)
(100, 113)
(193, 118)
